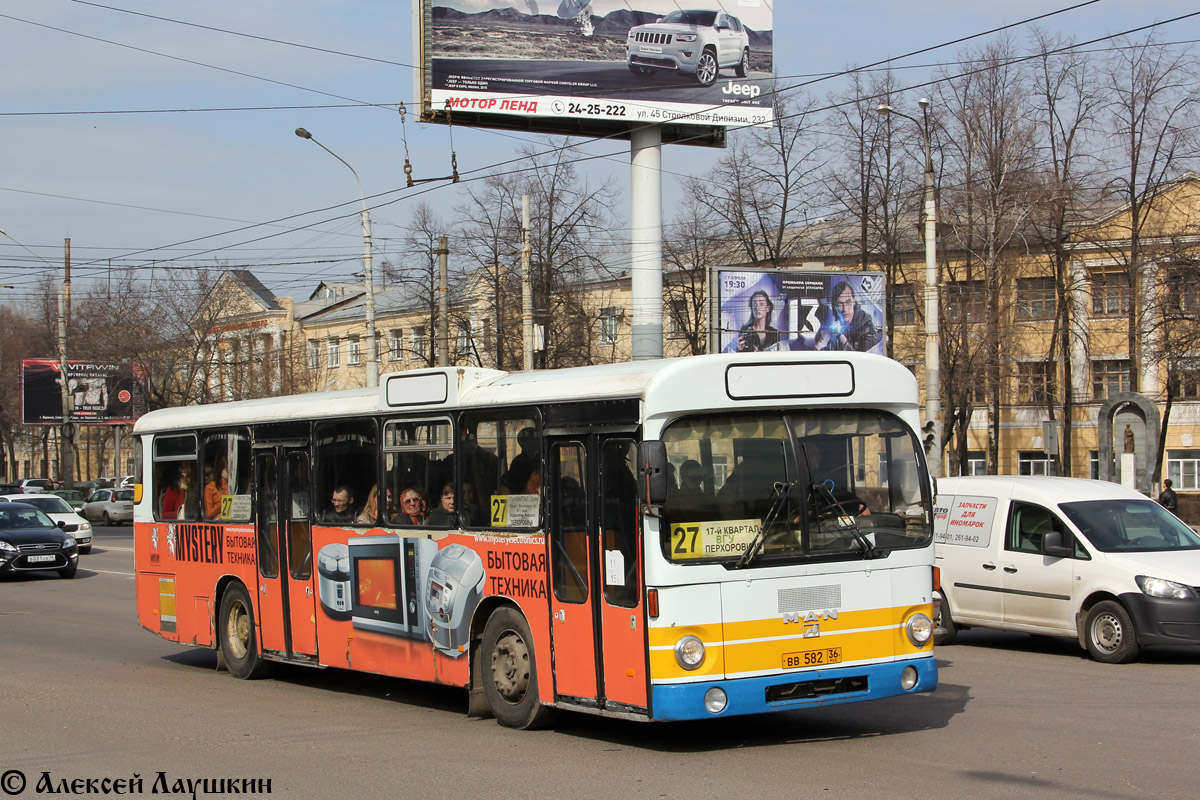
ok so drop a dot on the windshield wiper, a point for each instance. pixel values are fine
(778, 503)
(844, 519)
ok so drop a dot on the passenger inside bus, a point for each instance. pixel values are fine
(341, 506)
(370, 513)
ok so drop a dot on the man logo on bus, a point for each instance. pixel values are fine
(810, 616)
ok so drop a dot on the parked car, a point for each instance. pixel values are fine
(86, 487)
(34, 485)
(59, 512)
(1086, 560)
(109, 506)
(73, 497)
(30, 540)
(699, 43)
(10, 488)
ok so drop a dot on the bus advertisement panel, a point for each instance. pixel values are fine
(606, 61)
(792, 310)
(100, 392)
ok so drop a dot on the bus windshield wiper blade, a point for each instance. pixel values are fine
(778, 502)
(845, 519)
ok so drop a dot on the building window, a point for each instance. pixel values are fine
(1094, 464)
(1183, 468)
(1035, 382)
(1188, 374)
(395, 344)
(1110, 377)
(609, 322)
(677, 319)
(418, 342)
(1183, 290)
(904, 304)
(965, 301)
(976, 463)
(463, 344)
(354, 351)
(314, 355)
(1110, 293)
(1035, 462)
(1035, 298)
(335, 352)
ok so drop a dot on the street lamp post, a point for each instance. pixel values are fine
(933, 387)
(368, 278)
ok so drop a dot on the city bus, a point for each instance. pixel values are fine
(656, 540)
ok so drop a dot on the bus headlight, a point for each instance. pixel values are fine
(689, 652)
(919, 629)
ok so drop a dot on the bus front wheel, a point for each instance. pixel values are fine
(509, 672)
(239, 644)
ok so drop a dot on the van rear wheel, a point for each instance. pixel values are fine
(1109, 635)
(944, 621)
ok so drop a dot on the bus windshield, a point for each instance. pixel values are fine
(815, 485)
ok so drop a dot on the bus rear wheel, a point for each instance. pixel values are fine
(509, 672)
(239, 644)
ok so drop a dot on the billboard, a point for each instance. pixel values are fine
(100, 392)
(793, 310)
(595, 66)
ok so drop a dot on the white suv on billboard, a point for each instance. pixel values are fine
(699, 43)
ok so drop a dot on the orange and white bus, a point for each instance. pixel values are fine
(656, 540)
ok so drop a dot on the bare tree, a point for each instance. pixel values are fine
(991, 140)
(877, 165)
(691, 253)
(769, 178)
(1065, 97)
(571, 225)
(1151, 116)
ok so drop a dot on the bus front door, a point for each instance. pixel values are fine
(285, 598)
(597, 627)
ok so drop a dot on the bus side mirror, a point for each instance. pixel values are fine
(1052, 545)
(652, 473)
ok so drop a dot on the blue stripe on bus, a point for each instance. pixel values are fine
(682, 701)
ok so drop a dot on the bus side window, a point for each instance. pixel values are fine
(347, 458)
(502, 468)
(176, 490)
(418, 459)
(226, 459)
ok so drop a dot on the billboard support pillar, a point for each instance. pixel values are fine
(646, 241)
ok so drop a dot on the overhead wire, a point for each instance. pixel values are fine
(573, 146)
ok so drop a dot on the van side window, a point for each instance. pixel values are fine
(1027, 526)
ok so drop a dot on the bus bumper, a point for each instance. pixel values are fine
(680, 701)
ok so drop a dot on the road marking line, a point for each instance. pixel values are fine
(110, 572)
(108, 547)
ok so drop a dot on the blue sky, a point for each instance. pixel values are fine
(138, 187)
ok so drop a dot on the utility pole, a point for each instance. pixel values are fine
(526, 286)
(443, 252)
(67, 433)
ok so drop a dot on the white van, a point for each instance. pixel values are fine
(1087, 560)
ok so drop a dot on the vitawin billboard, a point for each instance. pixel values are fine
(612, 62)
(99, 392)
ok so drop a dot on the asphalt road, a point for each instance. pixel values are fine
(85, 693)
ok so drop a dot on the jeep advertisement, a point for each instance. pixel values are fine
(702, 63)
(794, 310)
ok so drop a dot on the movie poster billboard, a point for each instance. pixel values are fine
(793, 310)
(99, 392)
(704, 63)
